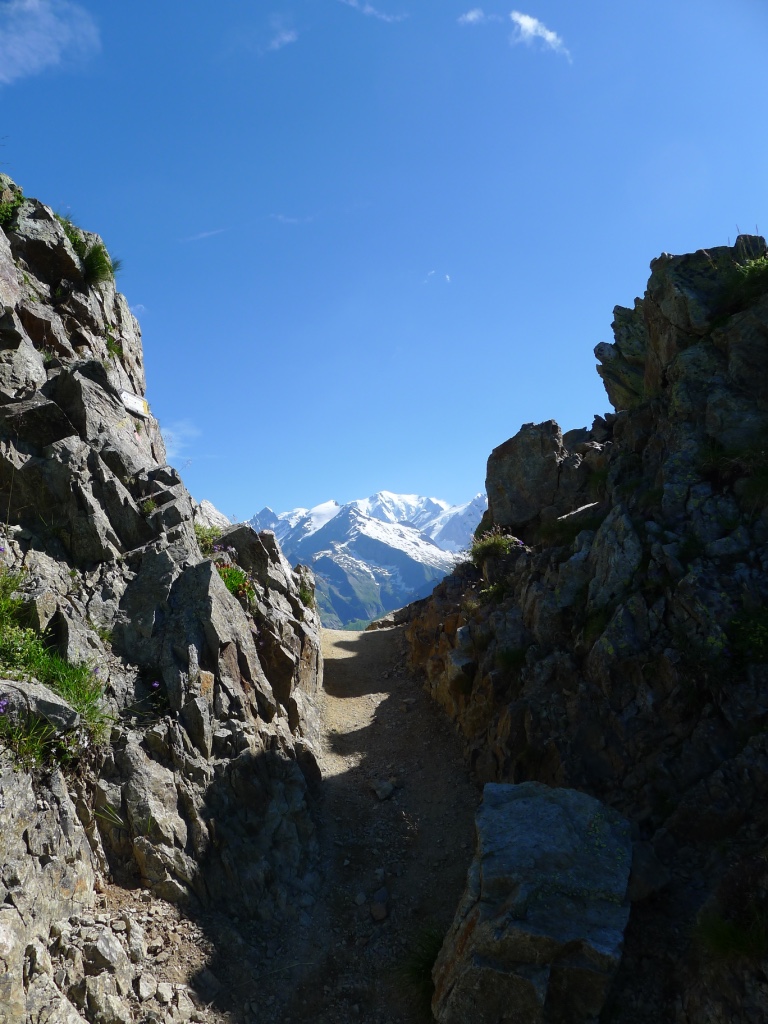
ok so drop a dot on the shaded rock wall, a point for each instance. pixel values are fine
(202, 791)
(619, 649)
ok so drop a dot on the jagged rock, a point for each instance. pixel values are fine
(208, 516)
(113, 575)
(10, 289)
(539, 931)
(32, 699)
(618, 652)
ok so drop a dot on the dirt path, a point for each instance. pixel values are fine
(396, 830)
(394, 863)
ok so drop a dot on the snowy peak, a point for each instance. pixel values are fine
(401, 508)
(374, 554)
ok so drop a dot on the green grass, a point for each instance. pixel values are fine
(415, 971)
(148, 506)
(97, 264)
(8, 209)
(206, 538)
(24, 653)
(237, 582)
(743, 285)
(493, 544)
(494, 594)
(306, 597)
(74, 234)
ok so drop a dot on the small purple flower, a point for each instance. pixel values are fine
(155, 685)
(3, 705)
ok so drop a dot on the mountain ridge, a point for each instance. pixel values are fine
(372, 555)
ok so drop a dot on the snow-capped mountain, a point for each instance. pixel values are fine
(374, 554)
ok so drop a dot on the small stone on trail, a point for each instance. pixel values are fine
(382, 788)
(360, 899)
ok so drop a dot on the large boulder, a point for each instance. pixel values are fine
(539, 931)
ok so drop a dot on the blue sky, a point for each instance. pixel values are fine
(366, 242)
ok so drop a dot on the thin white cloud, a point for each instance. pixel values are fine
(433, 274)
(373, 12)
(529, 29)
(138, 309)
(282, 39)
(40, 34)
(477, 16)
(178, 436)
(282, 218)
(204, 234)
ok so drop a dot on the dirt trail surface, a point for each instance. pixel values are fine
(394, 861)
(395, 818)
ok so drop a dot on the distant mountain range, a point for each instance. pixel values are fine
(373, 554)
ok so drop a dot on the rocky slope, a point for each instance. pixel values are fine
(374, 554)
(209, 663)
(612, 635)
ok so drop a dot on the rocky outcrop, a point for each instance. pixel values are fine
(209, 663)
(617, 647)
(540, 926)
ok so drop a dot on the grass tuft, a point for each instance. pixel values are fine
(493, 544)
(24, 653)
(206, 538)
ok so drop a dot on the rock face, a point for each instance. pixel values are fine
(210, 664)
(618, 649)
(539, 930)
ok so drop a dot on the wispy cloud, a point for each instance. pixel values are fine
(178, 436)
(138, 309)
(529, 29)
(40, 34)
(433, 276)
(204, 234)
(282, 218)
(283, 38)
(477, 16)
(373, 12)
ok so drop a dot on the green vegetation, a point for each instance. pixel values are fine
(24, 653)
(74, 234)
(415, 971)
(493, 544)
(237, 582)
(206, 538)
(114, 348)
(8, 209)
(306, 597)
(597, 483)
(494, 594)
(97, 265)
(727, 939)
(148, 506)
(745, 284)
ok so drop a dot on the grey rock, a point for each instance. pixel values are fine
(32, 699)
(542, 918)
